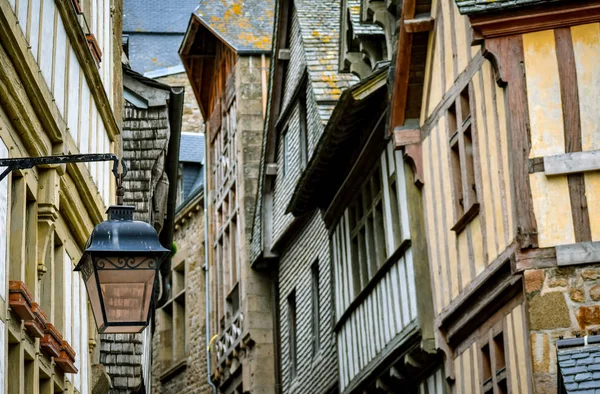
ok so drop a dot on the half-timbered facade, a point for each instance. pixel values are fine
(60, 94)
(504, 147)
(226, 56)
(462, 155)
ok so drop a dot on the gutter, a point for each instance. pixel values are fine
(171, 168)
(207, 272)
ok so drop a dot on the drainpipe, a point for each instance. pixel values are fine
(206, 270)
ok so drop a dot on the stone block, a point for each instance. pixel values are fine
(534, 279)
(549, 311)
(595, 293)
(588, 316)
(577, 295)
(591, 274)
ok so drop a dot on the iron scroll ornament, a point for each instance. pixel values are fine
(124, 263)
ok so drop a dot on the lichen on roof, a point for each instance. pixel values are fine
(246, 25)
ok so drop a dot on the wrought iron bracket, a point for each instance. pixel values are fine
(23, 163)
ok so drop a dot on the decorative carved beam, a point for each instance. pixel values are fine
(410, 140)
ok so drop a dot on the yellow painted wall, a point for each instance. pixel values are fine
(551, 194)
(492, 231)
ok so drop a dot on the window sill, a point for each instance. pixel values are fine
(462, 223)
(174, 370)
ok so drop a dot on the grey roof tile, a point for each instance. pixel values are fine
(579, 368)
(319, 22)
(245, 25)
(360, 28)
(157, 16)
(191, 148)
(150, 52)
(471, 7)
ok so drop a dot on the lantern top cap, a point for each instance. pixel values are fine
(120, 235)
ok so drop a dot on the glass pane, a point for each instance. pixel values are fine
(126, 294)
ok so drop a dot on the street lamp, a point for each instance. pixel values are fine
(121, 258)
(119, 267)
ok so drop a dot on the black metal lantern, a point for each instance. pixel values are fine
(122, 256)
(119, 267)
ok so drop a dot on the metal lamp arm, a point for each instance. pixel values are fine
(22, 163)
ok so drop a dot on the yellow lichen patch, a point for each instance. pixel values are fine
(316, 34)
(236, 9)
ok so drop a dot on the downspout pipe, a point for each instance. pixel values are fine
(206, 266)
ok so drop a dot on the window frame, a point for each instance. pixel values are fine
(292, 334)
(316, 308)
(461, 152)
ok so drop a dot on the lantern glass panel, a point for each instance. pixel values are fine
(126, 294)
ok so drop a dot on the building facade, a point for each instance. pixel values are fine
(504, 136)
(424, 219)
(61, 94)
(179, 341)
(340, 215)
(225, 53)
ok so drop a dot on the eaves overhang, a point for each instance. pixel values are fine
(353, 111)
(481, 7)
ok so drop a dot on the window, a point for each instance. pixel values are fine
(316, 320)
(226, 242)
(370, 230)
(291, 303)
(303, 132)
(285, 151)
(172, 319)
(464, 191)
(493, 361)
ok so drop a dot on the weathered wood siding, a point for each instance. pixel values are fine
(43, 29)
(563, 96)
(434, 384)
(458, 258)
(468, 365)
(388, 305)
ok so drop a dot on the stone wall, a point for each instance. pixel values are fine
(191, 378)
(561, 302)
(192, 121)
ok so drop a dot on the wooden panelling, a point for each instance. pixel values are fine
(579, 253)
(377, 320)
(458, 258)
(434, 384)
(469, 365)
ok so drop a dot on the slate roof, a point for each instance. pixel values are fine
(191, 148)
(247, 25)
(579, 365)
(156, 29)
(358, 27)
(320, 29)
(471, 7)
(157, 16)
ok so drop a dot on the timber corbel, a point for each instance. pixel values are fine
(419, 25)
(410, 140)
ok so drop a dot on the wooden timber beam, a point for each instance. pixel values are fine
(419, 25)
(409, 139)
(400, 94)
